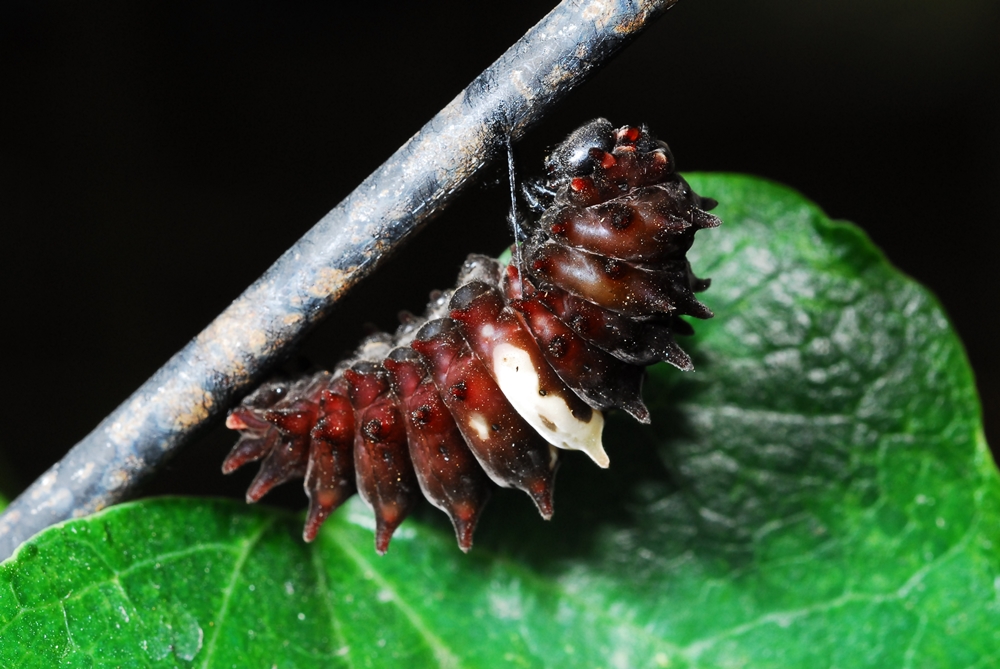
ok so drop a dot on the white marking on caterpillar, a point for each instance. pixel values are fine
(548, 414)
(478, 423)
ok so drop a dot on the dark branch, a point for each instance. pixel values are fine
(239, 347)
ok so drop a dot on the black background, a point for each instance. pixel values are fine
(155, 158)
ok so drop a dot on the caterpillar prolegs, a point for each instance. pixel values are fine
(514, 364)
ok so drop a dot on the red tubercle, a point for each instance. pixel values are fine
(512, 284)
(614, 268)
(236, 421)
(286, 461)
(422, 415)
(376, 430)
(516, 288)
(388, 518)
(380, 423)
(295, 422)
(404, 376)
(247, 418)
(465, 518)
(363, 388)
(459, 390)
(629, 134)
(540, 491)
(619, 217)
(252, 446)
(541, 265)
(322, 504)
(336, 416)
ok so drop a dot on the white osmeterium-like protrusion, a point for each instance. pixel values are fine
(548, 413)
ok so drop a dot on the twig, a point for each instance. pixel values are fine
(240, 346)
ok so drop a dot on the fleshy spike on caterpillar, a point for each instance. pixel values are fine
(509, 367)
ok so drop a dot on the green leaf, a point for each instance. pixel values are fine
(817, 494)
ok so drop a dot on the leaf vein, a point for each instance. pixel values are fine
(227, 592)
(325, 595)
(446, 659)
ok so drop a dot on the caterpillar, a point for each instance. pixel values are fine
(513, 365)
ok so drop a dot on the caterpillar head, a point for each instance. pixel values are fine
(596, 154)
(579, 153)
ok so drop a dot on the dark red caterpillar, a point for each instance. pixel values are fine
(512, 364)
